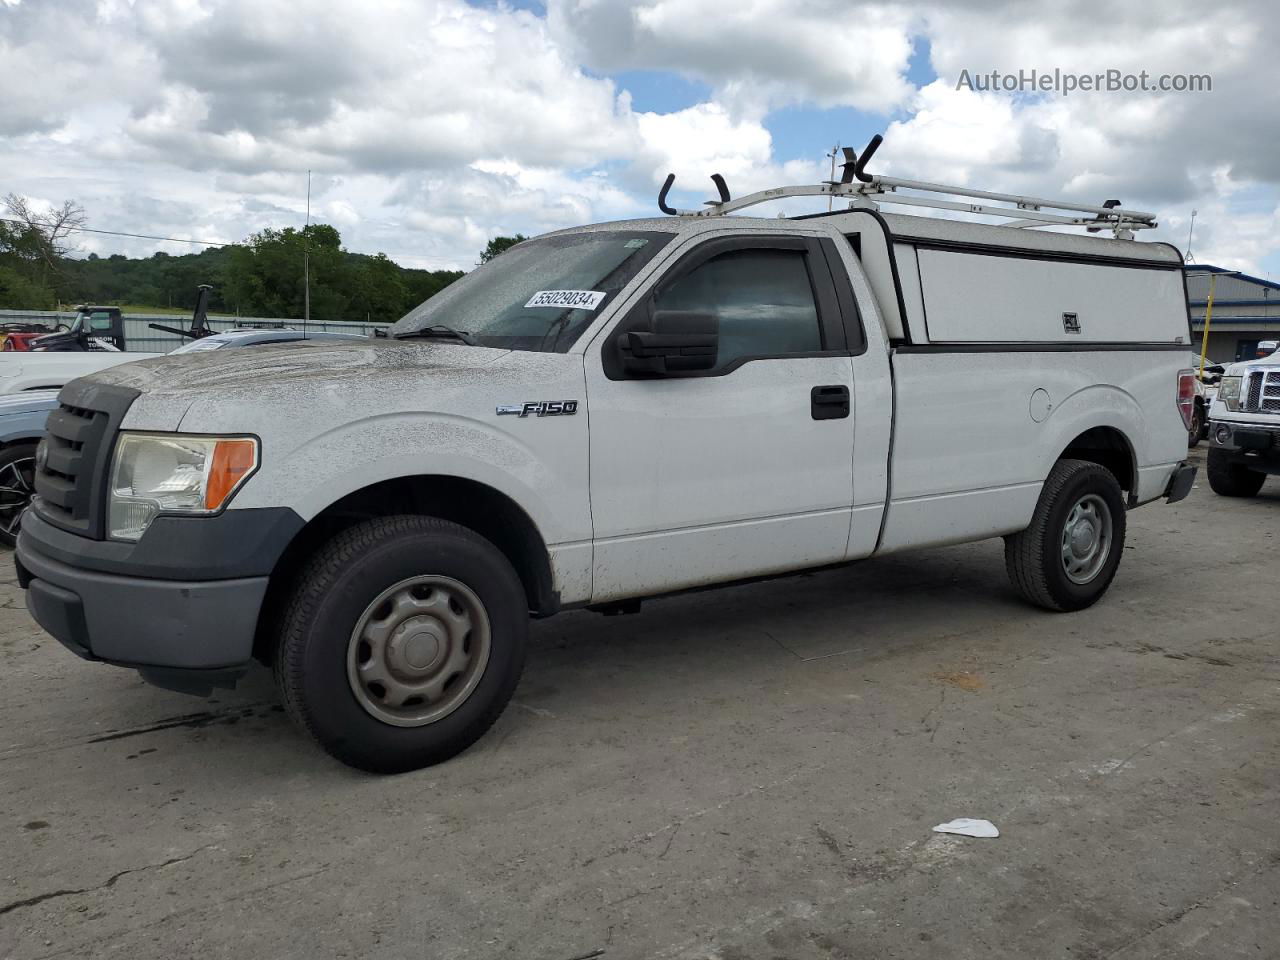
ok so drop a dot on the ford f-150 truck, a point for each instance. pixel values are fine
(606, 414)
(1244, 428)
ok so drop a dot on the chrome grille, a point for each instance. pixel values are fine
(1262, 392)
(1271, 392)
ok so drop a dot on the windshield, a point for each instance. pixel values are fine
(96, 321)
(204, 343)
(541, 294)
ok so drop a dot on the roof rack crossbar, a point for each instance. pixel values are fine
(863, 189)
(1039, 219)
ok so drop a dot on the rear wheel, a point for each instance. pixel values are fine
(1199, 426)
(403, 642)
(17, 485)
(1068, 556)
(1230, 479)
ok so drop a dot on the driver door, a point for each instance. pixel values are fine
(741, 470)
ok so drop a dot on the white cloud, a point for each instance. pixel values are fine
(701, 140)
(757, 55)
(401, 86)
(47, 76)
(432, 125)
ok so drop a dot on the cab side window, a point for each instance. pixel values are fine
(763, 298)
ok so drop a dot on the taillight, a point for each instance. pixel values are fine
(1186, 395)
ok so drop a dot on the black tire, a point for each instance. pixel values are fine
(334, 594)
(17, 485)
(1230, 479)
(1034, 557)
(1199, 426)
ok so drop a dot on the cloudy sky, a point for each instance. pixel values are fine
(431, 125)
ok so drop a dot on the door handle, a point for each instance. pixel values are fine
(829, 402)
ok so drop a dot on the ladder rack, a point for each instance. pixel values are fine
(864, 189)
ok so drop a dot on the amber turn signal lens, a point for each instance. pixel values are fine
(233, 460)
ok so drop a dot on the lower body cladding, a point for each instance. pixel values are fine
(181, 606)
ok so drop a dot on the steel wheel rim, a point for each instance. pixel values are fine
(17, 479)
(1086, 539)
(419, 650)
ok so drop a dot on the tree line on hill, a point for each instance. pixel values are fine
(262, 277)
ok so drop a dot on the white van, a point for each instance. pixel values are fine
(605, 414)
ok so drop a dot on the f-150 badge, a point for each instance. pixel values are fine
(539, 408)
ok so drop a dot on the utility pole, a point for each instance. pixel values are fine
(1190, 233)
(1208, 311)
(306, 261)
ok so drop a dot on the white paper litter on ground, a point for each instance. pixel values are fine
(967, 827)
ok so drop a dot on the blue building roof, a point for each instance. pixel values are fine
(1247, 277)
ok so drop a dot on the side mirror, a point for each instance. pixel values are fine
(677, 342)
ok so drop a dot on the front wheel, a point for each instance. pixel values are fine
(1068, 556)
(402, 643)
(1230, 479)
(17, 486)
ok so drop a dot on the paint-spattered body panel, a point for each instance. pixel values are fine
(334, 418)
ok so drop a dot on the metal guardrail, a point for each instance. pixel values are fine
(141, 338)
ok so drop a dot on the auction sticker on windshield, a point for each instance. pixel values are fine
(572, 299)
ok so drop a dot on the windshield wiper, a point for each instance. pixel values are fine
(438, 332)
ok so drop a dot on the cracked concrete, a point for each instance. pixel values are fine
(751, 773)
(105, 885)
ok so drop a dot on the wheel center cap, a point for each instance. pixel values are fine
(417, 645)
(420, 650)
(1082, 538)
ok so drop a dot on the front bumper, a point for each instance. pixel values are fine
(189, 634)
(1233, 435)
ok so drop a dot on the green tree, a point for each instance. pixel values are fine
(379, 290)
(500, 245)
(261, 277)
(22, 285)
(35, 242)
(264, 276)
(19, 293)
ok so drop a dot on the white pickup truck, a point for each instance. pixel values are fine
(601, 415)
(30, 370)
(1244, 427)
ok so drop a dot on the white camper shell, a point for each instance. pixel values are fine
(606, 414)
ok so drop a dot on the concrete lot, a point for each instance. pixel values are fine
(750, 773)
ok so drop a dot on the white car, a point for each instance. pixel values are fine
(601, 415)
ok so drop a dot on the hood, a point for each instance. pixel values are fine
(1238, 368)
(291, 367)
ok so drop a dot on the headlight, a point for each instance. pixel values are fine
(1229, 392)
(154, 473)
